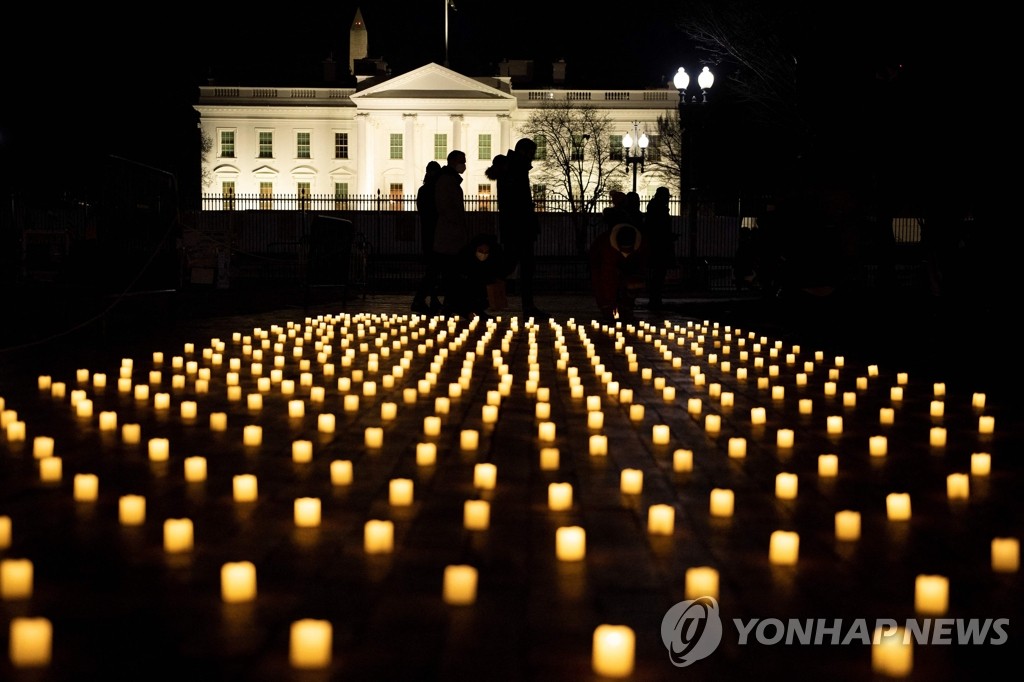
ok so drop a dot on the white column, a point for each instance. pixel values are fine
(505, 137)
(457, 123)
(413, 168)
(364, 161)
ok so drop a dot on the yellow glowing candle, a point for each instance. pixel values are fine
(737, 447)
(878, 446)
(559, 496)
(834, 425)
(978, 400)
(485, 476)
(252, 435)
(51, 469)
(306, 512)
(660, 434)
(828, 465)
(378, 537)
(682, 460)
(237, 582)
(847, 523)
(31, 642)
(636, 412)
(15, 579)
(459, 586)
(325, 422)
(373, 437)
(886, 416)
(426, 454)
(1005, 555)
(350, 403)
(937, 436)
(694, 406)
(727, 399)
(661, 519)
(195, 469)
(849, 399)
(757, 416)
(5, 532)
(341, 472)
(784, 548)
(178, 535)
(469, 439)
(131, 510)
(489, 414)
(613, 651)
(701, 581)
(897, 506)
(254, 401)
(309, 645)
(549, 459)
(981, 463)
(631, 481)
(722, 502)
(957, 486)
(931, 595)
(244, 488)
(986, 424)
(44, 382)
(937, 408)
(570, 543)
(712, 423)
(892, 652)
(302, 451)
(784, 438)
(476, 514)
(598, 445)
(42, 447)
(786, 486)
(431, 426)
(86, 487)
(896, 394)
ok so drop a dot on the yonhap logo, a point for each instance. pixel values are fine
(691, 630)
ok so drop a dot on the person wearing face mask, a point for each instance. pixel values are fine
(618, 268)
(452, 233)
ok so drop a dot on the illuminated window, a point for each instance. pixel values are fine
(652, 153)
(484, 147)
(302, 145)
(266, 196)
(576, 153)
(542, 148)
(340, 196)
(396, 146)
(395, 191)
(484, 197)
(440, 146)
(341, 145)
(227, 192)
(540, 197)
(227, 144)
(304, 193)
(266, 138)
(615, 147)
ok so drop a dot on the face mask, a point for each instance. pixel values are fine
(482, 255)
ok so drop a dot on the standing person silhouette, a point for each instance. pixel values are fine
(452, 233)
(426, 208)
(518, 225)
(657, 231)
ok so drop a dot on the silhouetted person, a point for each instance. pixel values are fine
(618, 269)
(478, 264)
(452, 232)
(633, 210)
(657, 231)
(518, 225)
(427, 297)
(616, 212)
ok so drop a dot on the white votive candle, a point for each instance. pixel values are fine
(786, 486)
(981, 464)
(549, 459)
(1005, 555)
(682, 460)
(897, 506)
(931, 595)
(306, 512)
(309, 644)
(828, 465)
(700, 581)
(31, 642)
(598, 445)
(661, 519)
(784, 438)
(784, 548)
(631, 481)
(195, 469)
(737, 447)
(178, 535)
(341, 472)
(16, 579)
(86, 487)
(878, 446)
(476, 514)
(892, 652)
(937, 436)
(378, 536)
(373, 437)
(957, 486)
(570, 543)
(757, 416)
(613, 651)
(51, 470)
(244, 488)
(886, 416)
(469, 439)
(660, 434)
(559, 496)
(485, 476)
(42, 447)
(722, 502)
(252, 435)
(131, 510)
(237, 582)
(459, 586)
(847, 523)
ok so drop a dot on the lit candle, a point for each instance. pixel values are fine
(178, 535)
(978, 401)
(341, 472)
(469, 439)
(378, 536)
(426, 454)
(886, 416)
(476, 514)
(549, 459)
(570, 543)
(42, 447)
(459, 587)
(489, 414)
(897, 506)
(957, 486)
(892, 652)
(722, 502)
(310, 643)
(31, 642)
(237, 582)
(937, 436)
(485, 476)
(252, 435)
(712, 423)
(981, 463)
(834, 425)
(757, 416)
(325, 423)
(598, 445)
(682, 460)
(162, 401)
(244, 488)
(878, 446)
(896, 394)
(636, 412)
(613, 650)
(660, 434)
(786, 486)
(5, 532)
(631, 481)
(559, 496)
(431, 426)
(306, 512)
(661, 519)
(737, 447)
(350, 403)
(701, 581)
(15, 579)
(296, 408)
(784, 438)
(937, 408)
(986, 424)
(131, 510)
(847, 525)
(373, 437)
(784, 548)
(86, 487)
(1005, 555)
(830, 388)
(51, 469)
(828, 465)
(931, 595)
(195, 469)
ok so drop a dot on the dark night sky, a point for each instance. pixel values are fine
(89, 81)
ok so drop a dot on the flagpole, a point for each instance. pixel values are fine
(445, 32)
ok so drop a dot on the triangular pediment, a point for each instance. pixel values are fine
(431, 82)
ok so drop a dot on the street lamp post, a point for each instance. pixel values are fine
(691, 113)
(634, 148)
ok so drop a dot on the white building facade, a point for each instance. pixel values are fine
(378, 138)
